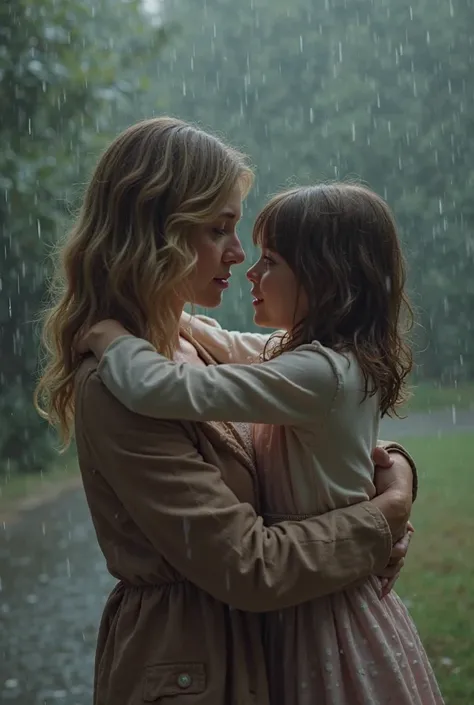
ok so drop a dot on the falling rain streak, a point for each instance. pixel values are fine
(375, 91)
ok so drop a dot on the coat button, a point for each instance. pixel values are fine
(184, 680)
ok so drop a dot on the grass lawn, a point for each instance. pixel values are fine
(427, 397)
(438, 580)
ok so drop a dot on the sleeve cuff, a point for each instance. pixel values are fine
(397, 448)
(383, 529)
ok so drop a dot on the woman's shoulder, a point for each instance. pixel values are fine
(99, 414)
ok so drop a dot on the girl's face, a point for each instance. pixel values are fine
(278, 300)
(218, 248)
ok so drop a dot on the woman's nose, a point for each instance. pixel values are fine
(235, 253)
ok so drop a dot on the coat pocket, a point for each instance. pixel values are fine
(164, 679)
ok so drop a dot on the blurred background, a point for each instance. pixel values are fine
(379, 90)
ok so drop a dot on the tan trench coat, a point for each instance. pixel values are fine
(174, 508)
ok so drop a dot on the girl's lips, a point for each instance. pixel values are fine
(257, 302)
(224, 283)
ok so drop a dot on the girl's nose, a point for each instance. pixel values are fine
(252, 273)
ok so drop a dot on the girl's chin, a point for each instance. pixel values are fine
(261, 320)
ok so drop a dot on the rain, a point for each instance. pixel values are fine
(378, 91)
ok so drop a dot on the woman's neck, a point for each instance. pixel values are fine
(184, 351)
(178, 311)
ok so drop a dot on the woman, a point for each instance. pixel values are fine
(174, 504)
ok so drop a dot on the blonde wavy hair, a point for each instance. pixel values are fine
(129, 250)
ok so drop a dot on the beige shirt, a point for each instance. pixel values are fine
(324, 463)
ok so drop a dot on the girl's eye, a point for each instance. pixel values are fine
(219, 231)
(268, 260)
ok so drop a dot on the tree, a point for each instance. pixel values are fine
(377, 90)
(69, 72)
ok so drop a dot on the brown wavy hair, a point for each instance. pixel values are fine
(128, 252)
(341, 242)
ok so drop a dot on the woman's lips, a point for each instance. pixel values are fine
(257, 302)
(223, 283)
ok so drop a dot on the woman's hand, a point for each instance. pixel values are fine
(390, 575)
(100, 336)
(394, 485)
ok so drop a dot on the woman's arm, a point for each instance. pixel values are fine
(224, 345)
(184, 508)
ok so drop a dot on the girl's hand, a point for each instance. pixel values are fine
(98, 338)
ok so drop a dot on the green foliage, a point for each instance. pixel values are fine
(312, 90)
(68, 75)
(374, 90)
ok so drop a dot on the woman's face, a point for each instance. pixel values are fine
(278, 300)
(218, 248)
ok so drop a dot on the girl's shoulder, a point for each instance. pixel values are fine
(343, 365)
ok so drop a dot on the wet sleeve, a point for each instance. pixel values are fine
(293, 388)
(193, 519)
(225, 346)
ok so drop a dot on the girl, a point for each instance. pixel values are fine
(174, 504)
(331, 278)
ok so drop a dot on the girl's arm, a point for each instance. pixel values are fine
(136, 387)
(224, 345)
(288, 389)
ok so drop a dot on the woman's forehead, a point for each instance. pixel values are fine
(232, 208)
